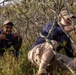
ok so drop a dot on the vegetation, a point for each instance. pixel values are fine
(29, 16)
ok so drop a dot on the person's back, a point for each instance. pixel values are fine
(45, 30)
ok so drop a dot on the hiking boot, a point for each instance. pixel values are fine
(42, 72)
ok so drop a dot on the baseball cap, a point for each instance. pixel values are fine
(8, 22)
(67, 15)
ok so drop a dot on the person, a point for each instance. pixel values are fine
(8, 39)
(42, 52)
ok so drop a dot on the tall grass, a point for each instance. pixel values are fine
(10, 66)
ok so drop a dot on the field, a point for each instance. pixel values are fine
(10, 66)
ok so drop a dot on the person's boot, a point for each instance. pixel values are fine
(42, 72)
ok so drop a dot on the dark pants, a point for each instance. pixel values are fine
(2, 52)
(14, 52)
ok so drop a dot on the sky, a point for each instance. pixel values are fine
(1, 0)
(7, 2)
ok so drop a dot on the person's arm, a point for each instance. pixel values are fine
(3, 36)
(69, 50)
(17, 42)
(44, 32)
(69, 28)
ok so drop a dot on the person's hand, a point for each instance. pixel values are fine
(74, 53)
(17, 35)
(3, 36)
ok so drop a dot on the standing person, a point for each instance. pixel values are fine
(8, 39)
(42, 53)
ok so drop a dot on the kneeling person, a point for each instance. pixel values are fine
(8, 39)
(42, 52)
